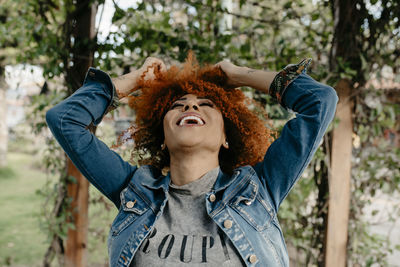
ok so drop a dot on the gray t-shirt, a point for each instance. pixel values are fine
(185, 235)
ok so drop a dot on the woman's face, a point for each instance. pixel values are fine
(194, 122)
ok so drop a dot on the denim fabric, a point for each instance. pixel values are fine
(249, 199)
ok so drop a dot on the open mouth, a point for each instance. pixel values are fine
(190, 120)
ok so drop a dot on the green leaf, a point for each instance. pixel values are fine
(315, 16)
(288, 5)
(118, 14)
(245, 48)
(374, 212)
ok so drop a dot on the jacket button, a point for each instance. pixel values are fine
(247, 202)
(212, 198)
(252, 258)
(130, 204)
(227, 224)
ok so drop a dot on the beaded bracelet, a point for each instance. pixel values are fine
(285, 77)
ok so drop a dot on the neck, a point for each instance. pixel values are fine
(188, 167)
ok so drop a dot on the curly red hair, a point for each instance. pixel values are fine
(248, 136)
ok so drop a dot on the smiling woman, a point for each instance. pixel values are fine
(217, 205)
(247, 135)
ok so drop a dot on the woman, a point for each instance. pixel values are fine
(217, 203)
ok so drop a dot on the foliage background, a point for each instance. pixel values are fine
(265, 35)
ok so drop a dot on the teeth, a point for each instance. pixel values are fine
(199, 121)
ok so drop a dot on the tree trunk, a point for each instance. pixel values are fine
(339, 182)
(83, 32)
(345, 45)
(3, 119)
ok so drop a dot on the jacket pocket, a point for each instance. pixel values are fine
(132, 207)
(249, 204)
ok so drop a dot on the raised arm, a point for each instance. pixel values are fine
(69, 121)
(314, 105)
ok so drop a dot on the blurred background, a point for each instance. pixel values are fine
(345, 209)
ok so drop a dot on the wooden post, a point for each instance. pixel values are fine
(76, 245)
(339, 181)
(83, 33)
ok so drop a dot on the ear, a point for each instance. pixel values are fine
(225, 144)
(163, 146)
(224, 140)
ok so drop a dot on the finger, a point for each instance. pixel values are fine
(160, 65)
(163, 68)
(223, 63)
(149, 61)
(154, 61)
(219, 63)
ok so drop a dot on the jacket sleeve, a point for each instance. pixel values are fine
(68, 121)
(314, 105)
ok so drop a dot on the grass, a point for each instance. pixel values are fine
(6, 172)
(21, 241)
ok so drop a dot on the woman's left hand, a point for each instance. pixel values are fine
(232, 72)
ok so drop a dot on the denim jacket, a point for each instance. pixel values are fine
(243, 205)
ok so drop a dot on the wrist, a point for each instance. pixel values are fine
(126, 83)
(257, 79)
(241, 76)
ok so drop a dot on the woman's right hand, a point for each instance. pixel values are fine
(150, 65)
(127, 83)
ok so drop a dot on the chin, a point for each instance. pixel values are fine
(187, 144)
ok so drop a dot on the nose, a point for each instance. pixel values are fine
(187, 107)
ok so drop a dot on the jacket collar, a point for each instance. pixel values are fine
(224, 180)
(152, 178)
